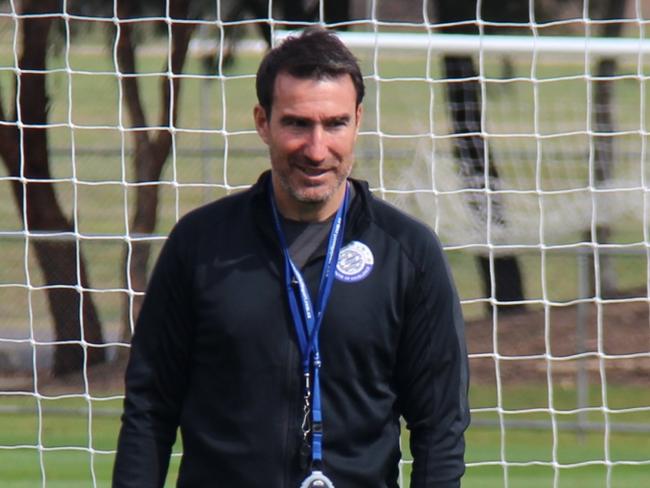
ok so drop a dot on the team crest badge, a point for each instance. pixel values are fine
(355, 262)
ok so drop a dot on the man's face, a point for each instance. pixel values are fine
(311, 135)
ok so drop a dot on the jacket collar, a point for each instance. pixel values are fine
(358, 218)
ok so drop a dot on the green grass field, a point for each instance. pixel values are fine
(410, 114)
(78, 436)
(94, 181)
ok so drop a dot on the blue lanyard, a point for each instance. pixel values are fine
(307, 319)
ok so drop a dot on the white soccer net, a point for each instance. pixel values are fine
(527, 142)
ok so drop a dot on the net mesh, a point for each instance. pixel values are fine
(506, 145)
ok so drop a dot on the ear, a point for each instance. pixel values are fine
(261, 122)
(359, 116)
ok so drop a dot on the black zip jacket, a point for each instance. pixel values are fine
(215, 353)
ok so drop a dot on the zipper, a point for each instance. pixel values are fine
(290, 423)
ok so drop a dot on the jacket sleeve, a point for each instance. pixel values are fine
(432, 374)
(156, 375)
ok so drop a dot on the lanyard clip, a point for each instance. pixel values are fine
(317, 480)
(306, 409)
(307, 377)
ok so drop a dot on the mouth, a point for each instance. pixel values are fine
(312, 172)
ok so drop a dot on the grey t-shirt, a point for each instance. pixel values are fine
(307, 239)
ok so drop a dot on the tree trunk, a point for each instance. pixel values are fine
(60, 259)
(470, 150)
(151, 150)
(603, 123)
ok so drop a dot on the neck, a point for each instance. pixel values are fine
(306, 213)
(293, 209)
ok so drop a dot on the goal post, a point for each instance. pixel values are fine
(492, 43)
(559, 390)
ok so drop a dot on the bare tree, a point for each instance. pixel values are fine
(603, 125)
(471, 150)
(295, 11)
(152, 147)
(24, 151)
(464, 106)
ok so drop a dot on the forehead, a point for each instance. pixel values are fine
(327, 94)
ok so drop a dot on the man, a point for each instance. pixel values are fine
(287, 328)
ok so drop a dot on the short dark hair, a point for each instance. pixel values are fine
(317, 53)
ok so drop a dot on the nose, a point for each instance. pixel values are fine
(316, 145)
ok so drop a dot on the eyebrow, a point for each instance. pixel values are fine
(338, 118)
(344, 118)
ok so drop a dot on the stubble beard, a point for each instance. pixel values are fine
(305, 195)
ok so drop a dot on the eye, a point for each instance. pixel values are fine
(337, 123)
(295, 123)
